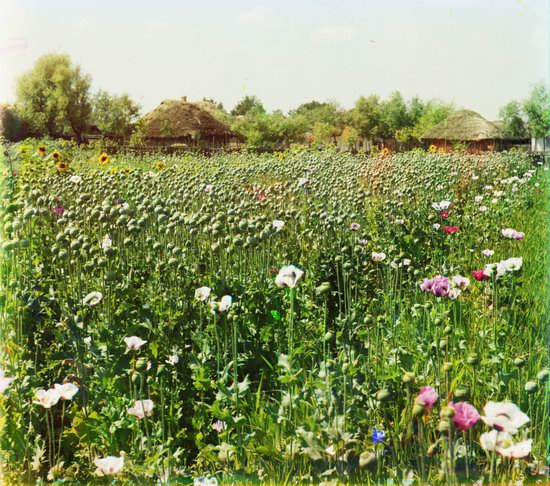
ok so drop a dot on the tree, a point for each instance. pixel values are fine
(536, 111)
(53, 98)
(366, 117)
(114, 115)
(435, 112)
(350, 136)
(394, 114)
(513, 125)
(246, 105)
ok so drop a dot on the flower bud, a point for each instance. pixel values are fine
(472, 359)
(409, 377)
(531, 387)
(383, 395)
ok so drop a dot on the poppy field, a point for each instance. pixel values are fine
(299, 317)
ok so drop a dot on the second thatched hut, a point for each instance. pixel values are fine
(179, 122)
(467, 129)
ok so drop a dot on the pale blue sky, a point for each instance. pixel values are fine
(477, 53)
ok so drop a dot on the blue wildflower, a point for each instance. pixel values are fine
(377, 436)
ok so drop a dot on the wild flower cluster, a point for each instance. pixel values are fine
(306, 318)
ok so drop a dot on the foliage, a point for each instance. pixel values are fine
(54, 97)
(114, 115)
(312, 379)
(537, 108)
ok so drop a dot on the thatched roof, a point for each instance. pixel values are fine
(463, 125)
(175, 119)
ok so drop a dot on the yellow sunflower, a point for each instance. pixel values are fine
(41, 150)
(159, 165)
(432, 149)
(62, 167)
(103, 158)
(56, 155)
(385, 151)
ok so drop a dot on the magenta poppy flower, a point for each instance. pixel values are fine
(440, 286)
(427, 397)
(58, 210)
(466, 415)
(355, 226)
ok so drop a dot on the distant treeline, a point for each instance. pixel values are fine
(55, 99)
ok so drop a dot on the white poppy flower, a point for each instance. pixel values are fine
(512, 264)
(488, 252)
(202, 293)
(141, 408)
(76, 179)
(504, 416)
(134, 343)
(106, 243)
(436, 226)
(491, 441)
(278, 224)
(108, 466)
(441, 205)
(516, 450)
(5, 382)
(378, 257)
(173, 360)
(508, 233)
(460, 281)
(66, 391)
(478, 199)
(92, 299)
(205, 481)
(288, 276)
(225, 303)
(406, 262)
(47, 398)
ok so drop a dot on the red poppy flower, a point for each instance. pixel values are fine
(480, 275)
(450, 229)
(444, 214)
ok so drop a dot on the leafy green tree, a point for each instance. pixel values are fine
(513, 125)
(246, 105)
(435, 111)
(114, 115)
(366, 117)
(350, 136)
(394, 114)
(536, 109)
(53, 98)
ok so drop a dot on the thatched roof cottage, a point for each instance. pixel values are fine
(464, 127)
(183, 122)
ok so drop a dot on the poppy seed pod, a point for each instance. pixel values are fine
(383, 395)
(542, 375)
(409, 377)
(531, 387)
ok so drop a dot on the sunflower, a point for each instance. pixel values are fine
(159, 165)
(103, 158)
(432, 149)
(62, 167)
(41, 150)
(385, 151)
(56, 155)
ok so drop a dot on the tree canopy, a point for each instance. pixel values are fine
(54, 97)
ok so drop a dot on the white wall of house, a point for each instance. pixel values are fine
(540, 144)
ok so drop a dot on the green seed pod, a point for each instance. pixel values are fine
(102, 262)
(24, 243)
(462, 392)
(328, 337)
(447, 412)
(542, 375)
(418, 409)
(444, 426)
(383, 395)
(141, 363)
(135, 377)
(367, 459)
(472, 359)
(409, 377)
(110, 276)
(448, 331)
(55, 249)
(127, 242)
(16, 225)
(173, 262)
(323, 288)
(531, 387)
(447, 366)
(63, 255)
(157, 246)
(75, 245)
(519, 362)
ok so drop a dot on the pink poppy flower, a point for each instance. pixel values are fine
(450, 229)
(466, 415)
(480, 275)
(427, 397)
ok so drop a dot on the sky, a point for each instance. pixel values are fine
(479, 54)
